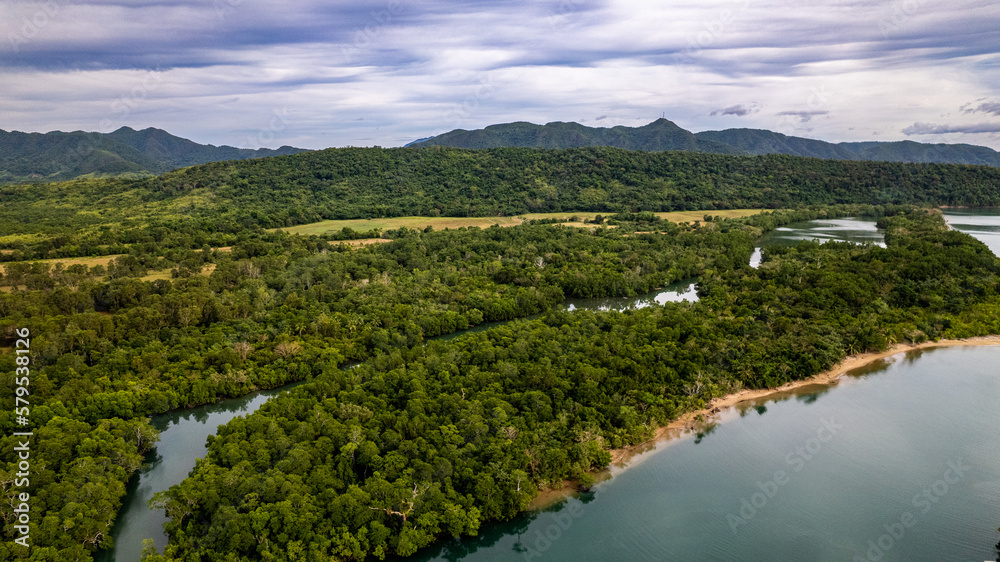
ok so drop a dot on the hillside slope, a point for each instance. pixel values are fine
(57, 156)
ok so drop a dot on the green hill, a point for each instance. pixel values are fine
(57, 156)
(663, 135)
(756, 141)
(352, 183)
(657, 136)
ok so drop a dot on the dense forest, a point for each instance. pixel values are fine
(220, 199)
(431, 441)
(424, 439)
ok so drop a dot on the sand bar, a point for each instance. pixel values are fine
(692, 421)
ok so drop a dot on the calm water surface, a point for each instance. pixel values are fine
(984, 224)
(858, 231)
(183, 436)
(898, 462)
(629, 526)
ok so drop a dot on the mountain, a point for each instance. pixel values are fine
(665, 135)
(757, 142)
(61, 156)
(656, 136)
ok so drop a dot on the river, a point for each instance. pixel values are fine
(984, 224)
(859, 231)
(183, 436)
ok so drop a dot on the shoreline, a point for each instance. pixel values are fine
(694, 419)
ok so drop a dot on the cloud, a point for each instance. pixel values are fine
(804, 116)
(988, 107)
(412, 69)
(739, 110)
(931, 129)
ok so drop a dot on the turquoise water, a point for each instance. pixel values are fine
(898, 462)
(184, 433)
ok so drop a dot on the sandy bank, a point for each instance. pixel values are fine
(692, 421)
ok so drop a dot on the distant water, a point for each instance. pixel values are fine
(858, 231)
(677, 292)
(900, 461)
(184, 433)
(984, 224)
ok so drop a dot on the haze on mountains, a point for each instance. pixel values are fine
(663, 134)
(57, 156)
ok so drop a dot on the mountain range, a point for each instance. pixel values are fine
(33, 157)
(663, 134)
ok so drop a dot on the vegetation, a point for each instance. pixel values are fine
(211, 203)
(57, 156)
(429, 441)
(145, 296)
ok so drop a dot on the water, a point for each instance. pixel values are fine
(984, 224)
(183, 437)
(858, 231)
(677, 292)
(904, 454)
(184, 433)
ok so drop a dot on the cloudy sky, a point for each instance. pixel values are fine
(315, 74)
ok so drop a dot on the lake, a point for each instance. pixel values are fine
(183, 433)
(899, 461)
(984, 224)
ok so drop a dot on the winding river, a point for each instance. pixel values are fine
(678, 506)
(183, 436)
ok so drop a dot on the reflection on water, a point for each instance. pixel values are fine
(678, 292)
(852, 457)
(183, 436)
(984, 224)
(858, 231)
(184, 433)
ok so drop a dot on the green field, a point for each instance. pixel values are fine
(440, 223)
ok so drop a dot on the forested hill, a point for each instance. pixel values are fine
(59, 156)
(656, 136)
(756, 141)
(665, 135)
(372, 182)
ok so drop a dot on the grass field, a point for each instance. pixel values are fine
(364, 225)
(440, 223)
(88, 261)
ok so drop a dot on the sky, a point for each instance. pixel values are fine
(315, 74)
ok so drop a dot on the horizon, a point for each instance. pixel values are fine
(493, 125)
(317, 76)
